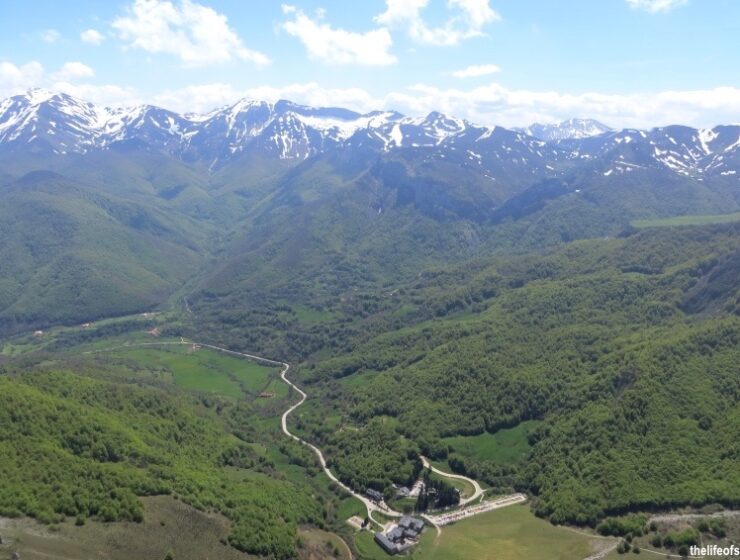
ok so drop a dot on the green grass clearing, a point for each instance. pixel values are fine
(505, 446)
(349, 507)
(466, 489)
(405, 505)
(359, 379)
(207, 371)
(309, 315)
(315, 544)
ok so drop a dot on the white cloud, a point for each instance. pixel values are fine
(198, 98)
(654, 6)
(491, 104)
(92, 37)
(471, 16)
(197, 34)
(496, 104)
(338, 46)
(16, 79)
(487, 104)
(205, 97)
(401, 11)
(71, 71)
(50, 36)
(106, 95)
(476, 71)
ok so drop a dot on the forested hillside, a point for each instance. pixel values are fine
(634, 385)
(86, 445)
(72, 253)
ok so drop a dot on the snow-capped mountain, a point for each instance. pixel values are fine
(59, 123)
(572, 128)
(147, 125)
(55, 123)
(682, 150)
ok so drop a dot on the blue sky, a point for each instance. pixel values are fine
(510, 62)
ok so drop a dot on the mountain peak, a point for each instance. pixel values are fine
(36, 96)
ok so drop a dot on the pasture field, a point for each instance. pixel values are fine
(206, 371)
(349, 507)
(367, 548)
(360, 379)
(309, 315)
(403, 505)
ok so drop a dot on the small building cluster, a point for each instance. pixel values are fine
(400, 537)
(374, 495)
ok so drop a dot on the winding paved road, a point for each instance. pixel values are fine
(369, 504)
(477, 487)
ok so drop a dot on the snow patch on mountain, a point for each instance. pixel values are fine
(570, 129)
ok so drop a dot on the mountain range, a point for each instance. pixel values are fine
(107, 211)
(52, 123)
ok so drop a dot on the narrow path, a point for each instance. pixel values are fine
(369, 504)
(604, 552)
(347, 549)
(669, 517)
(433, 524)
(478, 491)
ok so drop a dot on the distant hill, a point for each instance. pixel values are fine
(73, 253)
(570, 129)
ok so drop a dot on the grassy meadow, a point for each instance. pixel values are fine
(202, 370)
(511, 533)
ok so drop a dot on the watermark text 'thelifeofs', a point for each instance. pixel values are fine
(718, 551)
